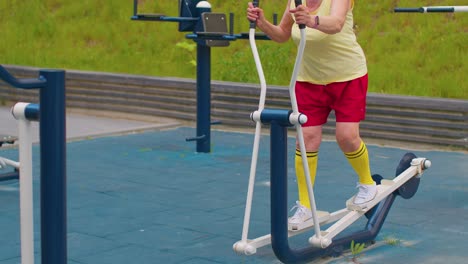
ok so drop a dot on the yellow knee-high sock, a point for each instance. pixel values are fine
(359, 160)
(312, 158)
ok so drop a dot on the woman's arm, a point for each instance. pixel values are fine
(278, 33)
(330, 24)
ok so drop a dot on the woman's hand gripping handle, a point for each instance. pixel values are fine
(298, 3)
(253, 22)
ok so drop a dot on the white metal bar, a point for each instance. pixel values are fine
(429, 9)
(461, 8)
(250, 189)
(26, 192)
(300, 136)
(335, 229)
(242, 246)
(258, 64)
(9, 162)
(266, 239)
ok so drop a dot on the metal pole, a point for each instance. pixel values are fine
(135, 7)
(278, 181)
(53, 164)
(203, 97)
(432, 9)
(26, 192)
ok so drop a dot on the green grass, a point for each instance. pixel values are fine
(408, 54)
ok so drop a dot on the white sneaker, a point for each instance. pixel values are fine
(301, 215)
(366, 193)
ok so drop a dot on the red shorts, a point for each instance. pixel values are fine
(347, 99)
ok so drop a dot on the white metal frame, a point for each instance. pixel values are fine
(4, 162)
(297, 119)
(25, 183)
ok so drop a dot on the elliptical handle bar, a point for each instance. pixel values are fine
(298, 3)
(255, 3)
(242, 246)
(300, 136)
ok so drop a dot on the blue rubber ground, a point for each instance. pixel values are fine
(149, 198)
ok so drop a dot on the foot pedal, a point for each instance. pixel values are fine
(384, 184)
(357, 207)
(323, 216)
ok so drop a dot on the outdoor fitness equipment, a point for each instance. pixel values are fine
(432, 9)
(51, 113)
(323, 242)
(208, 30)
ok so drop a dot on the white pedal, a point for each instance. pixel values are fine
(357, 207)
(384, 185)
(322, 216)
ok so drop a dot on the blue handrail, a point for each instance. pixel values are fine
(27, 83)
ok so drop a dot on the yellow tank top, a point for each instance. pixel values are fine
(330, 58)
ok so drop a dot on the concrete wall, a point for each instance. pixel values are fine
(431, 121)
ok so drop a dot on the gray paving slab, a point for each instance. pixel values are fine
(148, 197)
(81, 124)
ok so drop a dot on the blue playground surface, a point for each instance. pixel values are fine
(148, 197)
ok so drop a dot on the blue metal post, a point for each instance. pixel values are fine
(53, 158)
(279, 184)
(203, 136)
(53, 168)
(278, 200)
(203, 97)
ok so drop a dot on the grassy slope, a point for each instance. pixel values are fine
(410, 54)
